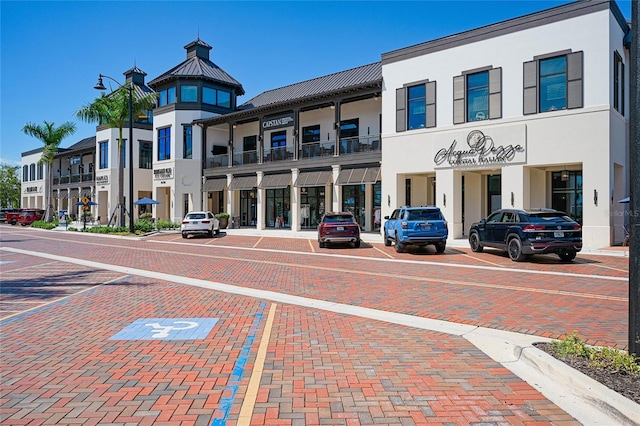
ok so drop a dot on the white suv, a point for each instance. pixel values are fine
(200, 223)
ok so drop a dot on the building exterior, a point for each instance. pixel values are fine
(192, 90)
(530, 112)
(290, 154)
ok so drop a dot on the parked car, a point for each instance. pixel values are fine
(200, 223)
(12, 216)
(522, 233)
(3, 213)
(420, 226)
(28, 216)
(338, 227)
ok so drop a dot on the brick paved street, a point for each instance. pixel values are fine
(61, 364)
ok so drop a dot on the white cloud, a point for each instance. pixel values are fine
(9, 162)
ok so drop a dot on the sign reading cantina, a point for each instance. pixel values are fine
(481, 150)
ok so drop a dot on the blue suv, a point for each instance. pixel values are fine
(419, 226)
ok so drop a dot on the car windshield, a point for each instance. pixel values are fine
(339, 218)
(549, 217)
(193, 216)
(424, 215)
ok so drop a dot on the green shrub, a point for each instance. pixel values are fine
(146, 216)
(223, 215)
(44, 225)
(166, 224)
(144, 227)
(609, 358)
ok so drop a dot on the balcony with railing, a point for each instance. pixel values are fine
(347, 146)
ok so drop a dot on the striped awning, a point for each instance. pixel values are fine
(306, 179)
(86, 192)
(275, 181)
(73, 193)
(358, 176)
(243, 183)
(62, 193)
(214, 184)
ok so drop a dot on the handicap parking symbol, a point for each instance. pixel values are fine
(167, 329)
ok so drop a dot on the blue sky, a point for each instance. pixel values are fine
(53, 51)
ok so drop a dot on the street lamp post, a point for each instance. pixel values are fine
(100, 86)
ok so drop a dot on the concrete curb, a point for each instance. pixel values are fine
(586, 399)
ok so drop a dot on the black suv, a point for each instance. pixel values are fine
(522, 233)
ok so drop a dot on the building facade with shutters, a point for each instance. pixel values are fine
(530, 112)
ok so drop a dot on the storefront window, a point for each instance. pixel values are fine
(353, 200)
(377, 205)
(494, 193)
(567, 193)
(278, 212)
(311, 206)
(248, 211)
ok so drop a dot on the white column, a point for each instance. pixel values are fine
(260, 199)
(295, 201)
(337, 191)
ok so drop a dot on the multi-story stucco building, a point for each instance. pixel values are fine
(529, 112)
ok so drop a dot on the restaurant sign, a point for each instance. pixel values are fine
(102, 179)
(276, 122)
(165, 173)
(482, 149)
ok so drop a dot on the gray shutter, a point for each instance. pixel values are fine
(431, 104)
(459, 99)
(401, 109)
(575, 98)
(495, 93)
(530, 91)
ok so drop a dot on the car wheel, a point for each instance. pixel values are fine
(399, 246)
(474, 242)
(210, 233)
(357, 244)
(441, 246)
(387, 241)
(567, 256)
(321, 244)
(514, 248)
(184, 235)
(216, 232)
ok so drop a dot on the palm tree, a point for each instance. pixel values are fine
(112, 110)
(51, 136)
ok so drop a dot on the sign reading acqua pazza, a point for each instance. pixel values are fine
(481, 148)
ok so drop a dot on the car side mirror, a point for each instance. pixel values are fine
(483, 221)
(386, 217)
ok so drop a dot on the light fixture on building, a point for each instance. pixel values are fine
(512, 198)
(564, 176)
(444, 199)
(333, 106)
(595, 197)
(303, 191)
(235, 125)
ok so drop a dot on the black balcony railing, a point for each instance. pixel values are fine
(278, 154)
(317, 149)
(346, 146)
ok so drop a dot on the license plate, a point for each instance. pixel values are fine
(558, 234)
(425, 226)
(340, 228)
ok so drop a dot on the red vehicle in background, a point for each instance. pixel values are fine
(12, 216)
(28, 216)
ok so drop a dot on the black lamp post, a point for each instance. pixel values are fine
(100, 86)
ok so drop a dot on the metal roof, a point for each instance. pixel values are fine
(360, 76)
(83, 144)
(196, 66)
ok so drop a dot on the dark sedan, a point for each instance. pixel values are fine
(522, 233)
